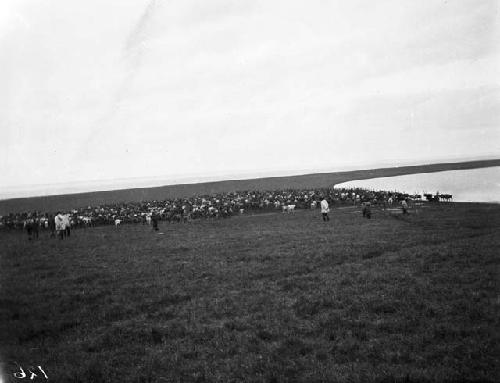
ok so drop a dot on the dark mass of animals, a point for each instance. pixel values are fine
(216, 206)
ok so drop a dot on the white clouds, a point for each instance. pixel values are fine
(236, 86)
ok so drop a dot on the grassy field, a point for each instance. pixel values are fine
(263, 298)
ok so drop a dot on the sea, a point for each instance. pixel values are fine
(474, 185)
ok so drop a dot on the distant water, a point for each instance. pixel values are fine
(475, 185)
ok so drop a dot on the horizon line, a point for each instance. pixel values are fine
(90, 186)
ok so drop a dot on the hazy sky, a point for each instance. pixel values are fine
(103, 89)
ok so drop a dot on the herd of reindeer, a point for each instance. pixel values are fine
(221, 205)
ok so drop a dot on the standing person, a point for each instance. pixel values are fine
(28, 225)
(404, 206)
(67, 225)
(59, 224)
(325, 210)
(36, 225)
(52, 226)
(367, 211)
(154, 219)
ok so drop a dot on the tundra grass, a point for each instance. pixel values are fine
(264, 298)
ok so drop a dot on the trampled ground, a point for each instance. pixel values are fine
(265, 298)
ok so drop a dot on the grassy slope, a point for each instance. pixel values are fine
(268, 298)
(69, 201)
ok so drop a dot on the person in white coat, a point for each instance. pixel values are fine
(67, 225)
(60, 225)
(325, 210)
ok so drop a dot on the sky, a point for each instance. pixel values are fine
(100, 90)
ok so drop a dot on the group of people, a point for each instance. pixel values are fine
(58, 225)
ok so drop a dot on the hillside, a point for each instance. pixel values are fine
(317, 180)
